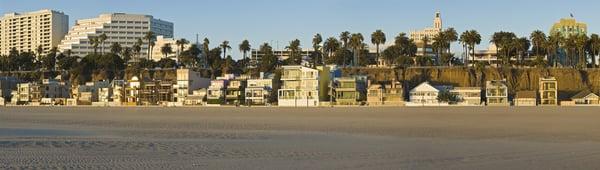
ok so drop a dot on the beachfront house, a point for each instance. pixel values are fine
(215, 94)
(32, 93)
(349, 90)
(187, 82)
(196, 98)
(496, 93)
(525, 98)
(88, 93)
(427, 95)
(300, 86)
(132, 91)
(388, 93)
(258, 91)
(586, 97)
(467, 96)
(235, 91)
(548, 90)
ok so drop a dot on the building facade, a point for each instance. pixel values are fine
(496, 93)
(121, 28)
(467, 96)
(300, 87)
(258, 91)
(427, 95)
(28, 31)
(548, 90)
(385, 94)
(569, 27)
(526, 98)
(349, 90)
(162, 41)
(428, 32)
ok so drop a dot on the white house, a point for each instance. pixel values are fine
(258, 91)
(426, 95)
(300, 87)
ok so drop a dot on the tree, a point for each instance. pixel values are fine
(345, 38)
(378, 38)
(205, 50)
(245, 48)
(149, 36)
(116, 48)
(538, 39)
(166, 50)
(137, 47)
(180, 44)
(294, 49)
(522, 46)
(552, 46)
(503, 41)
(594, 48)
(94, 42)
(268, 61)
(316, 42)
(330, 46)
(446, 96)
(356, 43)
(225, 46)
(581, 41)
(126, 54)
(39, 50)
(470, 39)
(570, 47)
(102, 38)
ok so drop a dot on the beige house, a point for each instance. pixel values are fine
(467, 96)
(235, 91)
(548, 90)
(496, 93)
(526, 98)
(300, 87)
(586, 97)
(385, 94)
(258, 91)
(349, 90)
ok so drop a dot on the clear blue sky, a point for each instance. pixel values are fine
(283, 20)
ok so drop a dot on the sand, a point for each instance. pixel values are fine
(300, 138)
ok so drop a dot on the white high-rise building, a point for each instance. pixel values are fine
(121, 28)
(28, 31)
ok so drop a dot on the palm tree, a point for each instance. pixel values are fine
(245, 48)
(522, 46)
(464, 39)
(166, 50)
(356, 43)
(225, 46)
(538, 38)
(115, 48)
(594, 48)
(137, 47)
(294, 48)
(316, 41)
(552, 46)
(180, 43)
(102, 38)
(205, 50)
(330, 45)
(568, 44)
(580, 43)
(345, 38)
(150, 37)
(425, 41)
(95, 42)
(126, 54)
(377, 38)
(39, 51)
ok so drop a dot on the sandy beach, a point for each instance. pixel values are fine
(300, 138)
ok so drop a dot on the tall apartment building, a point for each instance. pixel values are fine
(28, 31)
(121, 28)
